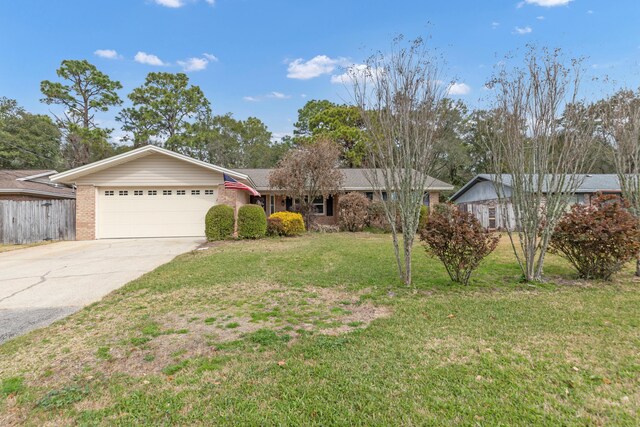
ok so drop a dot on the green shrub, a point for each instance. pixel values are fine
(252, 222)
(424, 217)
(292, 222)
(598, 239)
(353, 211)
(219, 222)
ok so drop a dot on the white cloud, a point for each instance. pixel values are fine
(590, 12)
(540, 18)
(170, 3)
(317, 66)
(278, 95)
(211, 2)
(548, 3)
(194, 64)
(250, 98)
(495, 25)
(356, 72)
(107, 53)
(210, 57)
(523, 30)
(459, 89)
(149, 59)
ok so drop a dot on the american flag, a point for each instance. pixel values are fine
(235, 185)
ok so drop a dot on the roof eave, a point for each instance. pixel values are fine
(19, 191)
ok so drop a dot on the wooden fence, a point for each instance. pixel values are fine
(29, 221)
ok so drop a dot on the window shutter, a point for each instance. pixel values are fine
(330, 206)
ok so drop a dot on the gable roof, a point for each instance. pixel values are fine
(33, 182)
(72, 175)
(354, 179)
(590, 183)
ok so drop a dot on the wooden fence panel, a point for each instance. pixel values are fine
(29, 221)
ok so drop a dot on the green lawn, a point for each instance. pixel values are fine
(319, 330)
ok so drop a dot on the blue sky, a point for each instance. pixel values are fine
(267, 58)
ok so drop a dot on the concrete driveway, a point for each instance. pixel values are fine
(45, 283)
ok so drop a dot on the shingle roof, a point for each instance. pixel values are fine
(33, 182)
(354, 179)
(590, 183)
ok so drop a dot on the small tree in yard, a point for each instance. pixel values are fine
(458, 240)
(400, 95)
(620, 124)
(598, 239)
(307, 173)
(539, 141)
(353, 211)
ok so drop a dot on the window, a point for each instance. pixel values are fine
(272, 204)
(384, 195)
(369, 195)
(138, 192)
(181, 192)
(108, 193)
(166, 192)
(123, 193)
(318, 205)
(152, 193)
(492, 217)
(195, 192)
(208, 192)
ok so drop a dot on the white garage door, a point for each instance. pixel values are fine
(152, 212)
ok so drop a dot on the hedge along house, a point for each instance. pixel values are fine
(149, 192)
(479, 196)
(326, 208)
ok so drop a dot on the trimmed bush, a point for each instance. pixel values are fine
(598, 239)
(377, 218)
(275, 226)
(458, 240)
(219, 222)
(424, 217)
(353, 211)
(291, 223)
(252, 222)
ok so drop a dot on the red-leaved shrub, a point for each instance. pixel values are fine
(598, 239)
(458, 240)
(353, 211)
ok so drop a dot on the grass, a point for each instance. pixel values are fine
(318, 330)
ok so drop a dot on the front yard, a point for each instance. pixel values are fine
(319, 330)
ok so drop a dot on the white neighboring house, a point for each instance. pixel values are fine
(479, 196)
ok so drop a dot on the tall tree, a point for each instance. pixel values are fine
(27, 141)
(306, 113)
(619, 116)
(400, 96)
(307, 173)
(454, 162)
(85, 91)
(344, 125)
(163, 107)
(226, 141)
(538, 149)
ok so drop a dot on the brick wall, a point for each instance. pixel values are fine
(85, 212)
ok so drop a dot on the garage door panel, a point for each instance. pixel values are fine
(146, 215)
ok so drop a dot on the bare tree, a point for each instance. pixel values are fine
(620, 124)
(308, 173)
(538, 148)
(399, 95)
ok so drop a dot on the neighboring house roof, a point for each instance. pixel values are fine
(354, 179)
(29, 182)
(589, 183)
(72, 175)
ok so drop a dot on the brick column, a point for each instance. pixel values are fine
(229, 198)
(434, 198)
(85, 212)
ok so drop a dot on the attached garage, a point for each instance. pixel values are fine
(152, 212)
(149, 192)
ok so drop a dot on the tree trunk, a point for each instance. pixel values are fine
(638, 267)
